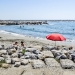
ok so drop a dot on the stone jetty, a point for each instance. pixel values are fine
(20, 22)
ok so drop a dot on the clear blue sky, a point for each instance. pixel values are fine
(37, 9)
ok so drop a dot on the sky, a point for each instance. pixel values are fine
(37, 9)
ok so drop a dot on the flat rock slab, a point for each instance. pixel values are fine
(67, 63)
(69, 72)
(53, 71)
(33, 72)
(47, 54)
(51, 62)
(11, 71)
(44, 71)
(37, 64)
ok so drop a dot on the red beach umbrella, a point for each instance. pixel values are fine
(55, 37)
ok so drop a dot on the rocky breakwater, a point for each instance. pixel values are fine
(37, 56)
(47, 59)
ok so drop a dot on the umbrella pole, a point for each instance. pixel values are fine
(55, 43)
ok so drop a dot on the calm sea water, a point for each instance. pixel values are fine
(66, 28)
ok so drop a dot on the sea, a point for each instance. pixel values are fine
(66, 28)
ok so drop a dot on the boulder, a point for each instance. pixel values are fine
(38, 64)
(51, 62)
(24, 61)
(47, 54)
(36, 51)
(3, 51)
(1, 58)
(13, 60)
(4, 65)
(40, 56)
(48, 48)
(37, 47)
(17, 64)
(30, 49)
(8, 60)
(66, 63)
(14, 55)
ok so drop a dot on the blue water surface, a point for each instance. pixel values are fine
(66, 28)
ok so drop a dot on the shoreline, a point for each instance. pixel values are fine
(14, 36)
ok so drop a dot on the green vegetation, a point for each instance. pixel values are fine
(23, 51)
(2, 61)
(57, 60)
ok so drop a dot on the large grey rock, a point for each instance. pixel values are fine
(17, 64)
(13, 60)
(1, 47)
(47, 54)
(3, 51)
(12, 71)
(51, 62)
(66, 63)
(40, 56)
(1, 58)
(48, 48)
(14, 55)
(8, 60)
(27, 53)
(56, 52)
(4, 65)
(33, 56)
(30, 49)
(36, 51)
(38, 47)
(38, 64)
(13, 50)
(24, 61)
(30, 55)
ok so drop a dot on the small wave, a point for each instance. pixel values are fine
(6, 32)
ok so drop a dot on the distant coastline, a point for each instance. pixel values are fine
(27, 22)
(20, 22)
